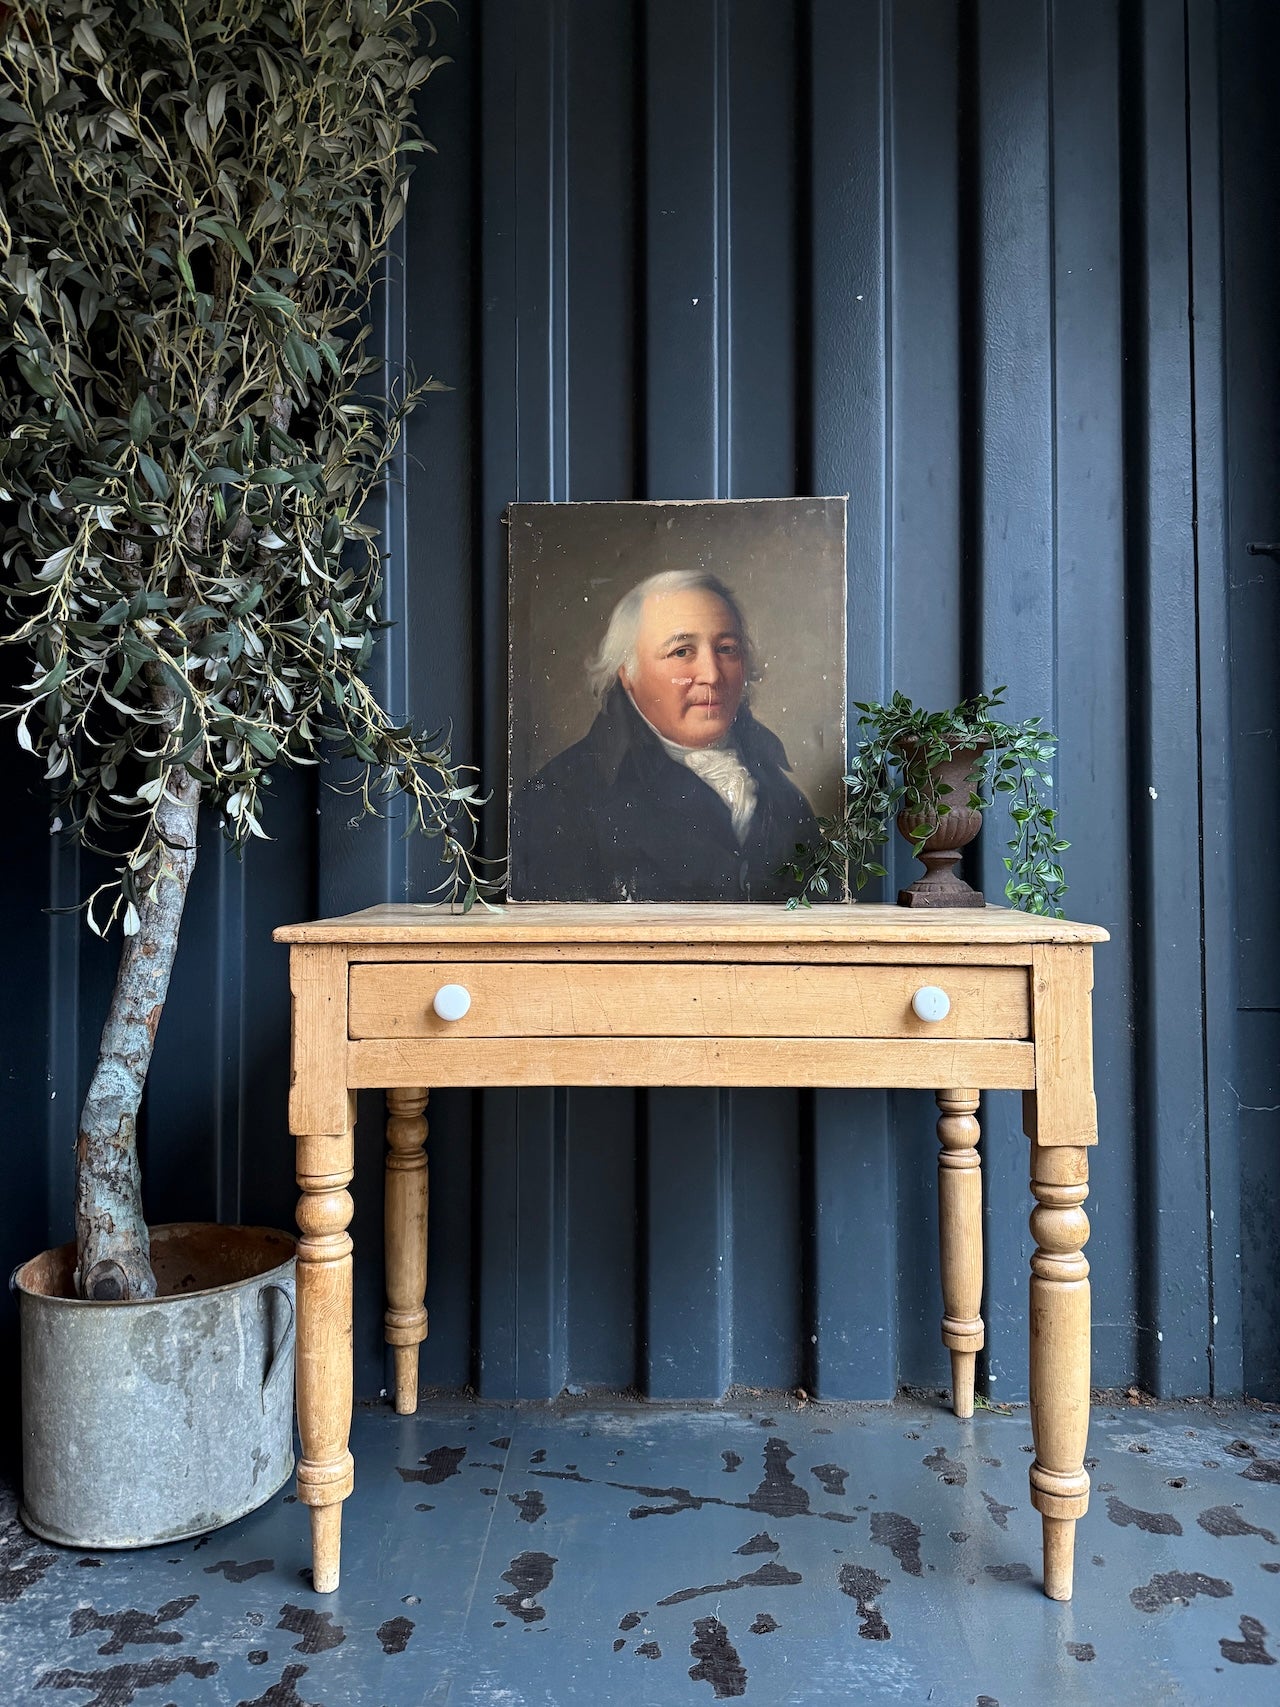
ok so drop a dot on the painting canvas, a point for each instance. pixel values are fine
(677, 695)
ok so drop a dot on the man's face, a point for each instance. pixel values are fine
(689, 672)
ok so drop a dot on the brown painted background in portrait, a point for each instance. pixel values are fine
(784, 559)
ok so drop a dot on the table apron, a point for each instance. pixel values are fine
(862, 1063)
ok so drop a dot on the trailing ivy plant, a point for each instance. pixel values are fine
(195, 205)
(893, 770)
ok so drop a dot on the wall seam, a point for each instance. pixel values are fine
(722, 354)
(1194, 475)
(888, 187)
(1052, 259)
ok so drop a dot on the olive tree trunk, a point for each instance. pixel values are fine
(112, 1244)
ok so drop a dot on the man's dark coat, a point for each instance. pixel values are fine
(613, 818)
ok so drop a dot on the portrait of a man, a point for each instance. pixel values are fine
(677, 790)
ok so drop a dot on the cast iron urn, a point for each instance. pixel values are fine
(946, 833)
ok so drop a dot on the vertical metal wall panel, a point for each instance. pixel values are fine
(1170, 1107)
(767, 1319)
(36, 1011)
(1216, 737)
(62, 1014)
(279, 873)
(1010, 578)
(496, 1350)
(604, 430)
(193, 1090)
(845, 380)
(603, 425)
(688, 426)
(540, 1179)
(688, 1249)
(1251, 213)
(520, 1134)
(498, 330)
(686, 251)
(602, 1246)
(759, 141)
(962, 262)
(925, 625)
(442, 624)
(925, 591)
(757, 70)
(1091, 769)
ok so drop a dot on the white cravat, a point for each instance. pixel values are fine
(721, 769)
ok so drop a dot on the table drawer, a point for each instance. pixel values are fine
(539, 999)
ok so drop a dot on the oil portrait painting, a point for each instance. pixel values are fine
(677, 695)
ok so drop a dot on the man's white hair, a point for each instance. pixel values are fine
(618, 648)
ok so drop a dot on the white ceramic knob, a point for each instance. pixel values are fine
(452, 1001)
(930, 1003)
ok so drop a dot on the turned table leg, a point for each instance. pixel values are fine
(326, 1469)
(960, 1240)
(1059, 1354)
(406, 1239)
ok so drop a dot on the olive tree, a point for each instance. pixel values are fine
(195, 207)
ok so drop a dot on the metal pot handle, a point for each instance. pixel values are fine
(284, 1350)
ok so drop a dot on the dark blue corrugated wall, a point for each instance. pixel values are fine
(963, 261)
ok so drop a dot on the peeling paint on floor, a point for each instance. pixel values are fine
(586, 1557)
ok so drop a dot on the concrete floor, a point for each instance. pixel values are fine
(799, 1554)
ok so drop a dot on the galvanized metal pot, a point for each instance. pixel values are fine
(150, 1421)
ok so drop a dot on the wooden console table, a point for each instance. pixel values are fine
(695, 995)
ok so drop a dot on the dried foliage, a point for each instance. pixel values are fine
(194, 206)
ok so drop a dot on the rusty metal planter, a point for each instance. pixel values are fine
(150, 1421)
